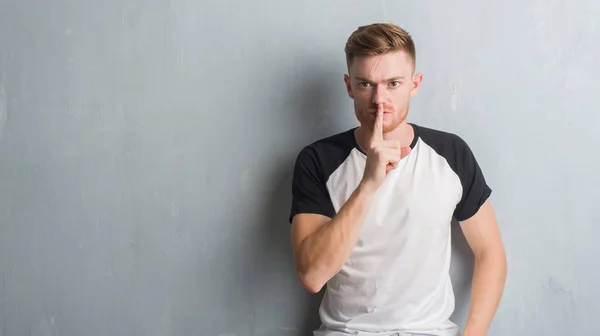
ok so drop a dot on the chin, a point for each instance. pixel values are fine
(387, 128)
(392, 125)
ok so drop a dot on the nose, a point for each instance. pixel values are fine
(379, 95)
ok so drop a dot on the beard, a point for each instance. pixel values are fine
(366, 117)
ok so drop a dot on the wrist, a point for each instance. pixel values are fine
(472, 331)
(367, 187)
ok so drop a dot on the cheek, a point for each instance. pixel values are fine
(362, 101)
(401, 99)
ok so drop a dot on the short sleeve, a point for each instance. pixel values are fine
(309, 191)
(475, 188)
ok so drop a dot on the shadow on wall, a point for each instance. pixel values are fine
(461, 273)
(310, 105)
(277, 249)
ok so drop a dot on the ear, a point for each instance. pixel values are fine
(416, 84)
(348, 86)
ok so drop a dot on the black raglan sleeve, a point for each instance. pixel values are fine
(475, 188)
(309, 191)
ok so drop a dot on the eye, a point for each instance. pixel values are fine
(395, 84)
(364, 84)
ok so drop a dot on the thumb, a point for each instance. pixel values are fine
(404, 151)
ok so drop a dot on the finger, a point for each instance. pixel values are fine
(391, 166)
(378, 125)
(391, 157)
(404, 151)
(394, 144)
(390, 152)
(393, 152)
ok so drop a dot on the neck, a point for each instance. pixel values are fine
(403, 133)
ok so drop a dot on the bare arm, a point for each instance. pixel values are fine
(483, 236)
(322, 245)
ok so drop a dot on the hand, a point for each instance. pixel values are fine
(383, 155)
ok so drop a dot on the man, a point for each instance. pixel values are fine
(372, 208)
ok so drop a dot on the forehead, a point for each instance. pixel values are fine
(383, 66)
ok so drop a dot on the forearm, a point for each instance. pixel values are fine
(488, 283)
(322, 254)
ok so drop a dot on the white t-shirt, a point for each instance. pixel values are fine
(397, 277)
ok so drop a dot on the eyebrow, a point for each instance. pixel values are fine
(387, 80)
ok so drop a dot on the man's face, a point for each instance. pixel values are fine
(385, 79)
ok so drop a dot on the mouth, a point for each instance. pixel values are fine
(374, 111)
